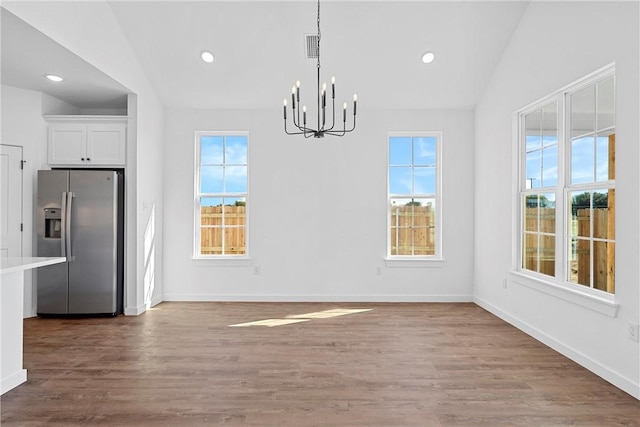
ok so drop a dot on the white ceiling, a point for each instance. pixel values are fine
(373, 48)
(27, 55)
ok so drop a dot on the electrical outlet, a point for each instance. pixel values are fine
(378, 271)
(256, 269)
(634, 332)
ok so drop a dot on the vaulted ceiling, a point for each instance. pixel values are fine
(373, 48)
(28, 55)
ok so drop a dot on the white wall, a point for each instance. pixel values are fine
(555, 44)
(90, 30)
(318, 211)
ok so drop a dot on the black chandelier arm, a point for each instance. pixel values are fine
(295, 93)
(322, 128)
(333, 112)
(290, 133)
(294, 117)
(297, 123)
(302, 131)
(321, 131)
(344, 131)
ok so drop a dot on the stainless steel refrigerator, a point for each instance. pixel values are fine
(80, 216)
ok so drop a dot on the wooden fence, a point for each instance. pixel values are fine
(233, 232)
(603, 252)
(539, 255)
(412, 230)
(413, 233)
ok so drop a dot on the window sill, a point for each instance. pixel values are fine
(240, 261)
(602, 304)
(414, 262)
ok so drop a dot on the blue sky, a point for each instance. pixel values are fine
(586, 152)
(223, 164)
(412, 165)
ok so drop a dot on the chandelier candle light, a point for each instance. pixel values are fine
(321, 130)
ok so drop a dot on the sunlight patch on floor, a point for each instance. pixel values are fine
(270, 322)
(297, 318)
(329, 313)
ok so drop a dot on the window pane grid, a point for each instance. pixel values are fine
(412, 195)
(583, 180)
(541, 147)
(591, 199)
(222, 197)
(538, 237)
(592, 238)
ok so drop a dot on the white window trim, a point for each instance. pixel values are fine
(558, 286)
(219, 260)
(598, 303)
(519, 160)
(436, 260)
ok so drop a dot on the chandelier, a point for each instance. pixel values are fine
(321, 129)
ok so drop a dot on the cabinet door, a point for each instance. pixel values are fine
(67, 144)
(106, 144)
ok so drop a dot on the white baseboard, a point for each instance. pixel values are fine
(317, 298)
(602, 371)
(134, 311)
(13, 381)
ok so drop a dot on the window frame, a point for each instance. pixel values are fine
(198, 196)
(562, 191)
(437, 258)
(524, 190)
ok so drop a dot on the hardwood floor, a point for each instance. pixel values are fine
(396, 365)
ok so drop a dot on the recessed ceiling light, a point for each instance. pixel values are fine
(54, 78)
(428, 57)
(207, 57)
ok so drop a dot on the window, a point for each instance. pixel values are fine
(539, 194)
(221, 194)
(591, 189)
(414, 195)
(567, 184)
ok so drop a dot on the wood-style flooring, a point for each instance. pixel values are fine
(180, 364)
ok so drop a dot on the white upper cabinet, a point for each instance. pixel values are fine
(86, 140)
(106, 144)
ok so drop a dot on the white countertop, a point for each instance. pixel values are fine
(10, 265)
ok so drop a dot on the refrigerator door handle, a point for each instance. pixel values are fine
(70, 256)
(63, 225)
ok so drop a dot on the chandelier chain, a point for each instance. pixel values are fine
(319, 34)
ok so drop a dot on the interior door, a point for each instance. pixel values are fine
(10, 201)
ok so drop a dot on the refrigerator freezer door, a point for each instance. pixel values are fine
(52, 279)
(93, 276)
